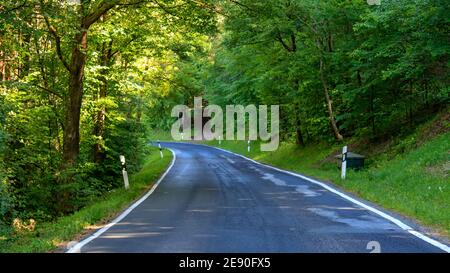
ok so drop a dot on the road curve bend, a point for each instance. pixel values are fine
(214, 201)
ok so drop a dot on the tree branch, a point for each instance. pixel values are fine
(111, 54)
(4, 10)
(133, 3)
(280, 39)
(165, 9)
(57, 40)
(294, 44)
(91, 18)
(48, 90)
(240, 4)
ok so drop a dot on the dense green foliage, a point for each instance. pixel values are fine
(50, 235)
(338, 69)
(76, 91)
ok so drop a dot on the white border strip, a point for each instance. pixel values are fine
(77, 248)
(351, 199)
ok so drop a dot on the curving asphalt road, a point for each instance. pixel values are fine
(213, 201)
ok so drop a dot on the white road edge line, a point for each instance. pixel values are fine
(353, 200)
(77, 248)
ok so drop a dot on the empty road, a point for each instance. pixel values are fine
(214, 201)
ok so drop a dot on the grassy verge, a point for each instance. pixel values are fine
(414, 183)
(49, 236)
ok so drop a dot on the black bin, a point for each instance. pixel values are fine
(354, 161)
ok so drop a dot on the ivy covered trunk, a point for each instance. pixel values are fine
(74, 99)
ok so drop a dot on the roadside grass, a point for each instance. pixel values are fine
(415, 183)
(161, 135)
(49, 236)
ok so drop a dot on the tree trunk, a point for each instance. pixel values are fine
(99, 126)
(298, 129)
(71, 134)
(139, 110)
(331, 117)
(25, 68)
(298, 123)
(2, 66)
(372, 112)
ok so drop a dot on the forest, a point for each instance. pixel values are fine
(82, 82)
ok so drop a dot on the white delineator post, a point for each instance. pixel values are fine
(220, 140)
(248, 146)
(124, 172)
(160, 150)
(344, 162)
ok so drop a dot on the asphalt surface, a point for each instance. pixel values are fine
(213, 201)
